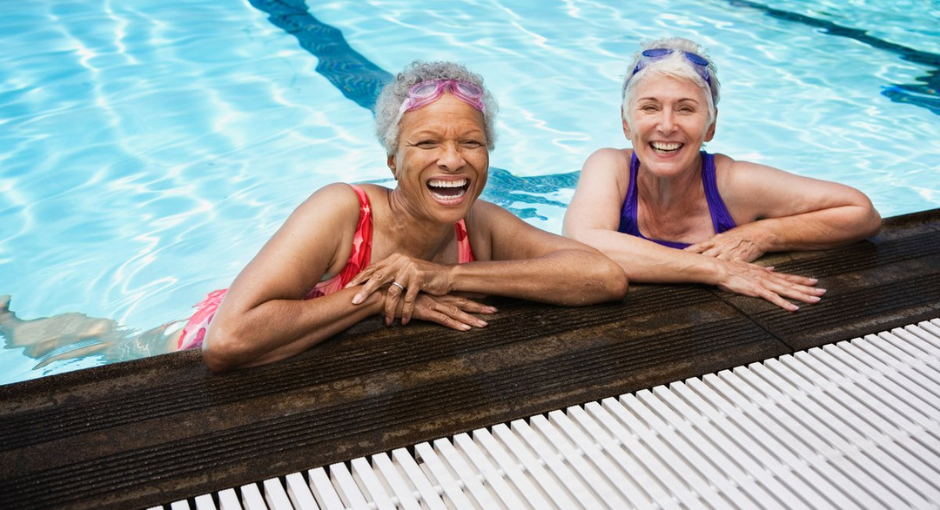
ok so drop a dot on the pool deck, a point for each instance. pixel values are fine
(151, 431)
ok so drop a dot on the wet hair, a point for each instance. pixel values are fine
(395, 92)
(675, 65)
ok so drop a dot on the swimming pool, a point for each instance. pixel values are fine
(149, 149)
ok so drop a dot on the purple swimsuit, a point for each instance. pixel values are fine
(721, 219)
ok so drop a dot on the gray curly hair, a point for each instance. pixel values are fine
(674, 65)
(396, 91)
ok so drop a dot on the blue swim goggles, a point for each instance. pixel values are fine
(699, 63)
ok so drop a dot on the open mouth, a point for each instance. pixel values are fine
(665, 147)
(448, 190)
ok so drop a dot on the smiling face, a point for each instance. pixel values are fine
(442, 159)
(669, 123)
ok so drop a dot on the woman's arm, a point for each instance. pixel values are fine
(263, 316)
(780, 211)
(514, 259)
(530, 263)
(594, 216)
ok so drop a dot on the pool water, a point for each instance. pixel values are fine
(150, 148)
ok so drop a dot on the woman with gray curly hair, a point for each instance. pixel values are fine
(415, 251)
(669, 212)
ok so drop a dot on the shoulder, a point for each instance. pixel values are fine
(607, 159)
(739, 175)
(337, 200)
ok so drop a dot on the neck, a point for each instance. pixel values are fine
(412, 233)
(673, 190)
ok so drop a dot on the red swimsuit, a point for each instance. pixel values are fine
(359, 258)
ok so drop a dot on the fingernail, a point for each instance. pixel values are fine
(482, 323)
(821, 291)
(357, 299)
(492, 309)
(465, 327)
(813, 280)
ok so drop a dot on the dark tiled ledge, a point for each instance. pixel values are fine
(154, 430)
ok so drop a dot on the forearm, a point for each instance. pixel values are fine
(279, 329)
(647, 262)
(817, 230)
(568, 277)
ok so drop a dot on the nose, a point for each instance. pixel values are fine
(667, 121)
(450, 159)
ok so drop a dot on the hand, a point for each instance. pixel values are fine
(402, 275)
(450, 311)
(752, 280)
(729, 245)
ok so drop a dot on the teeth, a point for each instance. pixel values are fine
(438, 196)
(660, 146)
(447, 184)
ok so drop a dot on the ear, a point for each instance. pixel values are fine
(626, 127)
(710, 133)
(392, 167)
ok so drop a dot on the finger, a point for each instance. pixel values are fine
(469, 305)
(368, 288)
(775, 298)
(392, 303)
(697, 247)
(459, 315)
(411, 297)
(727, 255)
(444, 320)
(712, 252)
(361, 277)
(790, 290)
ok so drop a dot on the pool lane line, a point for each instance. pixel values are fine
(361, 81)
(925, 95)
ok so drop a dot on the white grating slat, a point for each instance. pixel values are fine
(430, 495)
(766, 448)
(376, 490)
(470, 478)
(228, 500)
(323, 490)
(630, 454)
(348, 490)
(720, 491)
(275, 495)
(558, 497)
(590, 476)
(252, 498)
(299, 492)
(205, 502)
(555, 464)
(849, 425)
(509, 465)
(715, 454)
(179, 505)
(494, 477)
(400, 488)
(443, 476)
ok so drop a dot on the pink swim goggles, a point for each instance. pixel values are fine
(428, 91)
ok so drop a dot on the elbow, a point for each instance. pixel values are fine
(220, 350)
(873, 223)
(612, 282)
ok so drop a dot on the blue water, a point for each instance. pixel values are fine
(149, 148)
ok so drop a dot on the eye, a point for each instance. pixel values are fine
(472, 144)
(426, 144)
